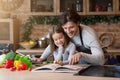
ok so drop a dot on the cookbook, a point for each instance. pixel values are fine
(59, 68)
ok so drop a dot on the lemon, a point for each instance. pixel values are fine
(32, 42)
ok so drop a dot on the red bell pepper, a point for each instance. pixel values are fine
(9, 63)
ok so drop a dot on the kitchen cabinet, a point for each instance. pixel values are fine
(118, 6)
(55, 7)
(43, 7)
(86, 7)
(101, 7)
(9, 33)
(78, 5)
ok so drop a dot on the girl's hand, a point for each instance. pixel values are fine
(75, 58)
(38, 59)
(58, 62)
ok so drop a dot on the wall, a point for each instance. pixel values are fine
(39, 31)
(112, 29)
(100, 28)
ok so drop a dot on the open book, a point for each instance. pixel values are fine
(59, 68)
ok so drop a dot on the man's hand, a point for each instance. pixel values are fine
(75, 58)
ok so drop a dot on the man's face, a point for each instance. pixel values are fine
(70, 28)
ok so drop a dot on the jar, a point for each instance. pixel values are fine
(42, 42)
(98, 8)
(78, 6)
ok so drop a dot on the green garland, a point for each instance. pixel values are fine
(99, 19)
(53, 20)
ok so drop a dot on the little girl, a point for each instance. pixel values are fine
(60, 46)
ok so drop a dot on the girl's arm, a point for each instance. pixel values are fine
(46, 53)
(58, 53)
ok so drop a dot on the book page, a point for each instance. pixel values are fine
(74, 67)
(51, 67)
(70, 68)
(59, 68)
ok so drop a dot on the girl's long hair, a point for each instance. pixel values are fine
(57, 29)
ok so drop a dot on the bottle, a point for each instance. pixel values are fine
(109, 7)
(78, 6)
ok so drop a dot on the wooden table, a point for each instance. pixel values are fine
(6, 74)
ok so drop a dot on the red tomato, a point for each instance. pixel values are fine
(8, 61)
(12, 68)
(18, 69)
(23, 66)
(30, 69)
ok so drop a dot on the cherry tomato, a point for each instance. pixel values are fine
(18, 69)
(30, 69)
(12, 68)
(22, 66)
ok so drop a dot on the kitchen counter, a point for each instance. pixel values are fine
(38, 51)
(6, 74)
(113, 51)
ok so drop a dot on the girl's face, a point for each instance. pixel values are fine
(70, 28)
(58, 39)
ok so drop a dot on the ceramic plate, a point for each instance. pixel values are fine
(106, 39)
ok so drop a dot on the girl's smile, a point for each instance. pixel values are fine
(59, 39)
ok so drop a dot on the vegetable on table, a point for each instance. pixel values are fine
(2, 58)
(12, 68)
(17, 63)
(17, 57)
(1, 65)
(8, 63)
(26, 60)
(22, 66)
(10, 55)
